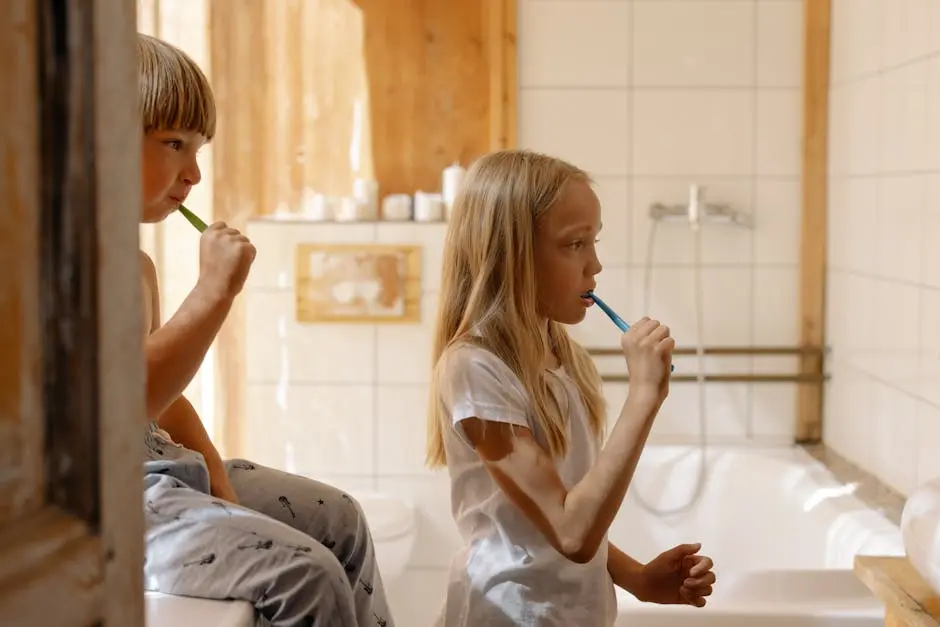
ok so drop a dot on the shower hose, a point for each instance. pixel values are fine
(700, 377)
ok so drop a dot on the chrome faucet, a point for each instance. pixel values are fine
(698, 211)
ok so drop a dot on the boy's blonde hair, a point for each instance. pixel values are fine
(174, 92)
(488, 291)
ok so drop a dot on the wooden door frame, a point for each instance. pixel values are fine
(500, 39)
(817, 22)
(71, 397)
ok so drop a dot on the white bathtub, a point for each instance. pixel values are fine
(782, 531)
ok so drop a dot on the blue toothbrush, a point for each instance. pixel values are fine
(617, 320)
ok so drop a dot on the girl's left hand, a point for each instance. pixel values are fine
(678, 576)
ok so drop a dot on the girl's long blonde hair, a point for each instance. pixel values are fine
(488, 291)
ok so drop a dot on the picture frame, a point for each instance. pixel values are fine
(358, 283)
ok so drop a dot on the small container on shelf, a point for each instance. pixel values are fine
(428, 207)
(396, 208)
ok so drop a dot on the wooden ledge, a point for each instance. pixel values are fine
(907, 598)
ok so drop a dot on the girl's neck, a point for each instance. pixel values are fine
(549, 358)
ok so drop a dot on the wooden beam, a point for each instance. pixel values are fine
(501, 50)
(907, 598)
(816, 35)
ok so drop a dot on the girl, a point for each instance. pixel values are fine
(517, 413)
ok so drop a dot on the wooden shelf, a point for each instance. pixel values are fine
(908, 600)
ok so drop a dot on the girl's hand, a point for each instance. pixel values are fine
(647, 347)
(679, 576)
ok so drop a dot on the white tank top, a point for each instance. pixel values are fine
(508, 574)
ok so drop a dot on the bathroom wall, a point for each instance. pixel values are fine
(650, 96)
(883, 297)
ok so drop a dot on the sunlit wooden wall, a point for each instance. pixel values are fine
(313, 94)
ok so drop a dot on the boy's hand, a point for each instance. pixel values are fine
(225, 256)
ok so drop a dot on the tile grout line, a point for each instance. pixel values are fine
(755, 128)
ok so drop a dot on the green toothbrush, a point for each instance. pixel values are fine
(193, 219)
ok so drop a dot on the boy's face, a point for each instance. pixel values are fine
(169, 171)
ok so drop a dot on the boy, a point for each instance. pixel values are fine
(298, 550)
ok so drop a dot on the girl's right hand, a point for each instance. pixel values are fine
(648, 347)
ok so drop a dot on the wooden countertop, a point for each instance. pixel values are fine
(907, 598)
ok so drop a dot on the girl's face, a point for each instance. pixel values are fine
(169, 171)
(565, 255)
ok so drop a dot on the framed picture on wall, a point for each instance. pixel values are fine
(370, 283)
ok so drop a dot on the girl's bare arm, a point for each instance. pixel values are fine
(576, 521)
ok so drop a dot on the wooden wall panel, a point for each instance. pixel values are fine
(429, 88)
(315, 93)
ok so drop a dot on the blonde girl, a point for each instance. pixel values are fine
(517, 412)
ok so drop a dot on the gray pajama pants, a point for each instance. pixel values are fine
(300, 551)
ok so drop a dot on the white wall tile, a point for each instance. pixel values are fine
(615, 395)
(401, 429)
(281, 349)
(697, 132)
(312, 429)
(898, 362)
(777, 222)
(907, 33)
(847, 427)
(774, 410)
(929, 387)
(861, 144)
(901, 211)
(577, 43)
(403, 351)
(838, 131)
(727, 298)
(859, 33)
(776, 306)
(894, 437)
(726, 303)
(932, 88)
(779, 133)
(614, 248)
(727, 410)
(779, 43)
(675, 44)
(928, 440)
(930, 269)
(586, 127)
(860, 228)
(859, 322)
(904, 118)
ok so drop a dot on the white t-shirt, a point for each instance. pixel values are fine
(508, 574)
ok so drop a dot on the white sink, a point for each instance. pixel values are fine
(920, 527)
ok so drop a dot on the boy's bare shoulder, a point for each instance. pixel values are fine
(151, 297)
(147, 265)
